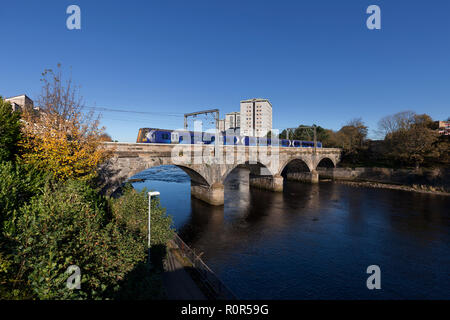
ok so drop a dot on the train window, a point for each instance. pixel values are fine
(165, 136)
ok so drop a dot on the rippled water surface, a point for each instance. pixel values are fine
(314, 241)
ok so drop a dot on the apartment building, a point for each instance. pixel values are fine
(233, 123)
(221, 125)
(256, 117)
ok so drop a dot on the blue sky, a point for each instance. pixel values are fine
(316, 61)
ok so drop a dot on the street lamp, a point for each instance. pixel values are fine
(150, 195)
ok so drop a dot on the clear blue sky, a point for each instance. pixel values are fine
(315, 60)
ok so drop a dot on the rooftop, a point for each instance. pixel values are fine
(20, 95)
(257, 100)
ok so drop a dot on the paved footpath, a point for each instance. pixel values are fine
(178, 283)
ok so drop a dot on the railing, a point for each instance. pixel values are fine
(207, 276)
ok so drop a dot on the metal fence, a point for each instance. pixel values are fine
(207, 276)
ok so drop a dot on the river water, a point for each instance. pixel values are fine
(313, 241)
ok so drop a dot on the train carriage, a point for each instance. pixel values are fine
(155, 135)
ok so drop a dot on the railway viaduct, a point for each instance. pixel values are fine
(209, 165)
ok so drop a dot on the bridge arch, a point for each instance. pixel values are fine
(118, 170)
(297, 164)
(256, 169)
(196, 177)
(260, 175)
(299, 169)
(326, 162)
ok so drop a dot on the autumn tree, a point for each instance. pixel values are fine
(413, 143)
(353, 135)
(61, 137)
(392, 123)
(105, 137)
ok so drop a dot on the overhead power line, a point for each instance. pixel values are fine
(104, 109)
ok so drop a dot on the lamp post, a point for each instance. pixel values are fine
(150, 195)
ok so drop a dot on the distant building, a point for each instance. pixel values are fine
(444, 128)
(256, 117)
(233, 123)
(20, 103)
(221, 125)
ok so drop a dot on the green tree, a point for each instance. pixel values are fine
(305, 133)
(10, 131)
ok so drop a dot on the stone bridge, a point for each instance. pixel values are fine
(209, 165)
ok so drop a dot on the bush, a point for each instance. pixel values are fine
(69, 224)
(131, 211)
(19, 182)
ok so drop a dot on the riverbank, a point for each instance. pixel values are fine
(433, 181)
(187, 277)
(369, 184)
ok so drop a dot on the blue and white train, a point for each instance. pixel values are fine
(154, 135)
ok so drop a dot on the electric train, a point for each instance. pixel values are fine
(155, 135)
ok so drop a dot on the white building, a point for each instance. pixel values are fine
(21, 102)
(221, 125)
(444, 128)
(233, 122)
(256, 117)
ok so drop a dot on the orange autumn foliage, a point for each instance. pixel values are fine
(60, 138)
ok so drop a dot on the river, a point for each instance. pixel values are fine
(313, 241)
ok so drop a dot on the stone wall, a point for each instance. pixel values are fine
(213, 195)
(312, 177)
(274, 183)
(209, 165)
(431, 177)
